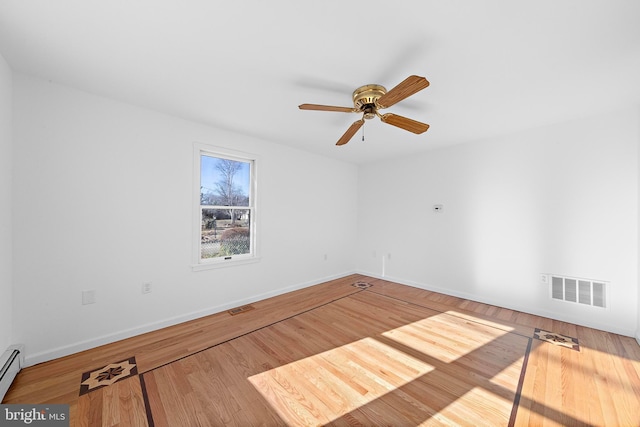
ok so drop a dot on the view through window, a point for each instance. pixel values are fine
(226, 208)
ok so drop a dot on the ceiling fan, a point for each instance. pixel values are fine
(368, 99)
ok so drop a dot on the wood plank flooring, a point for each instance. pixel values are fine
(337, 354)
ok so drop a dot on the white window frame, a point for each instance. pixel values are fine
(253, 256)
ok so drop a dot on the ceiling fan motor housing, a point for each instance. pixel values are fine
(365, 97)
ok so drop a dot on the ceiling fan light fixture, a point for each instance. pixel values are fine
(369, 111)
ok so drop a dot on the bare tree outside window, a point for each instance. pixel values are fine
(225, 202)
(230, 194)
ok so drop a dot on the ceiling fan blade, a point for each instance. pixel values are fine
(405, 89)
(317, 107)
(350, 132)
(404, 123)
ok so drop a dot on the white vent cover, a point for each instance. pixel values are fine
(579, 291)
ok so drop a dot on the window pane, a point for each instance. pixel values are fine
(225, 232)
(224, 182)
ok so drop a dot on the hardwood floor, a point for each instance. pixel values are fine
(338, 354)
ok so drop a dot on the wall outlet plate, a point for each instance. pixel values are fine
(88, 297)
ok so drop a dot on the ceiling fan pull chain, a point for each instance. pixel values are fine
(363, 132)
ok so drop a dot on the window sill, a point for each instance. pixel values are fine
(224, 263)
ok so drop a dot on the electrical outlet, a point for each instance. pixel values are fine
(146, 287)
(88, 297)
(544, 278)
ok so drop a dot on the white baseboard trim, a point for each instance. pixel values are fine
(544, 313)
(44, 356)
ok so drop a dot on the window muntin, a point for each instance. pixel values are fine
(226, 208)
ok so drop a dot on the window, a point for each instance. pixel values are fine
(226, 194)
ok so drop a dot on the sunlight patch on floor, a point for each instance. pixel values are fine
(439, 336)
(329, 385)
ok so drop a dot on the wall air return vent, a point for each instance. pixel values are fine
(579, 291)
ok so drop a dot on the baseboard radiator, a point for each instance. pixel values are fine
(11, 362)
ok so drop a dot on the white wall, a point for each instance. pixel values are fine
(103, 200)
(5, 206)
(561, 199)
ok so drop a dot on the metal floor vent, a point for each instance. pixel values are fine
(580, 291)
(239, 310)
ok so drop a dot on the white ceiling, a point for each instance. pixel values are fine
(495, 66)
